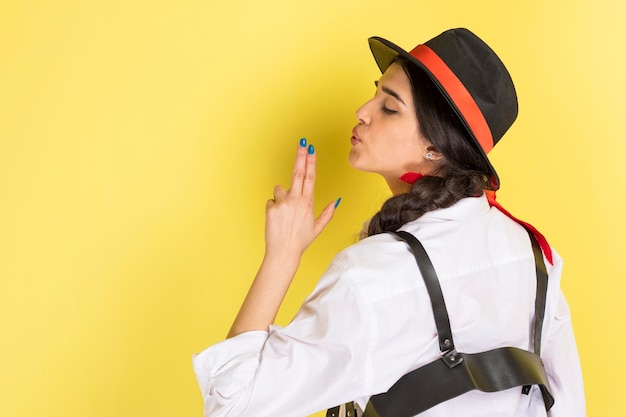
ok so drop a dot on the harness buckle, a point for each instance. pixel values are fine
(452, 358)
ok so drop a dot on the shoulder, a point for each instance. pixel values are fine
(376, 267)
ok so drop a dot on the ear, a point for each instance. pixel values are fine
(432, 154)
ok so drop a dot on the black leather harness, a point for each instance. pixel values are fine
(456, 373)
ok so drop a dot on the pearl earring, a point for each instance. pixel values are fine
(429, 155)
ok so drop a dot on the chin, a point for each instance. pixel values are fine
(355, 164)
(353, 160)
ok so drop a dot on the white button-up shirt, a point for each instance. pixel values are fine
(369, 321)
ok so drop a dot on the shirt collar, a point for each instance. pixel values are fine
(466, 207)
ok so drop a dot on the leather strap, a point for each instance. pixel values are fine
(540, 299)
(542, 291)
(490, 371)
(457, 373)
(434, 290)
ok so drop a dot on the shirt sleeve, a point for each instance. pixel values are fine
(313, 363)
(225, 370)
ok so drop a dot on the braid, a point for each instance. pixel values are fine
(463, 173)
(427, 194)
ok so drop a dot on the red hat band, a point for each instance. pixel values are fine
(457, 92)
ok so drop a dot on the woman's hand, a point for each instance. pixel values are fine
(291, 225)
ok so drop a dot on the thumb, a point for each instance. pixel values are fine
(325, 216)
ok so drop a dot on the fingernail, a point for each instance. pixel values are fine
(303, 142)
(311, 150)
(337, 202)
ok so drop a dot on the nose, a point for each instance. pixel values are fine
(363, 113)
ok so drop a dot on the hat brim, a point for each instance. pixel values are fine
(386, 52)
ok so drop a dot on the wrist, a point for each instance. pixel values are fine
(284, 261)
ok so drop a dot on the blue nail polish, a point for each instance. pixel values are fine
(303, 142)
(311, 150)
(337, 202)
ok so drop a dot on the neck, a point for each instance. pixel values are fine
(397, 186)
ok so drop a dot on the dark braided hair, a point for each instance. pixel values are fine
(463, 173)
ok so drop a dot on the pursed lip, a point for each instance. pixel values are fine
(355, 137)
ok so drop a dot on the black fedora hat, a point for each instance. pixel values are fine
(470, 76)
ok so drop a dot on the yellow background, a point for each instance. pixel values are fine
(139, 141)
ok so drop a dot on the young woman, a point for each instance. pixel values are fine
(437, 111)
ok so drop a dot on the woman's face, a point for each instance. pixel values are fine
(386, 140)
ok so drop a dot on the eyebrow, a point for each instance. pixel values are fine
(390, 92)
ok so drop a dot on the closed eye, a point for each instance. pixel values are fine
(390, 92)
